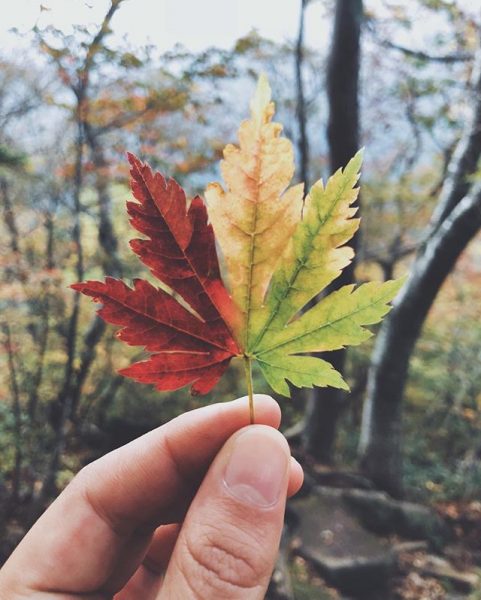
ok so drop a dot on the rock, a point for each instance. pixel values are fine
(384, 515)
(331, 538)
(408, 547)
(342, 479)
(440, 568)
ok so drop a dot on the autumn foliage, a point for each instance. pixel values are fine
(190, 340)
(279, 249)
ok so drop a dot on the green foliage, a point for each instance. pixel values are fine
(10, 158)
(335, 322)
(445, 401)
(317, 253)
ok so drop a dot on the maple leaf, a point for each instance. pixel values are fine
(279, 252)
(188, 335)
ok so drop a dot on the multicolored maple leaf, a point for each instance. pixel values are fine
(279, 249)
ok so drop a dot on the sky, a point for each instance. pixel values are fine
(196, 24)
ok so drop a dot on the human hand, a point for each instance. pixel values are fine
(193, 509)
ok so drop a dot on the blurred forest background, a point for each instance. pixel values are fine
(403, 79)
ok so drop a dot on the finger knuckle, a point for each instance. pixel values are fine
(223, 561)
(85, 475)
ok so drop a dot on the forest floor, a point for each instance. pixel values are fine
(422, 567)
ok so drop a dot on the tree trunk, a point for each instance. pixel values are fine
(106, 235)
(455, 221)
(17, 417)
(111, 263)
(9, 216)
(343, 83)
(303, 143)
(325, 404)
(62, 407)
(380, 444)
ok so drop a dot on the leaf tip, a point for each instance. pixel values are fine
(397, 285)
(355, 164)
(134, 161)
(262, 108)
(75, 286)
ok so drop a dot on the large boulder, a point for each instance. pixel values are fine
(332, 539)
(382, 514)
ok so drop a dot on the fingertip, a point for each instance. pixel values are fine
(296, 477)
(266, 410)
(161, 547)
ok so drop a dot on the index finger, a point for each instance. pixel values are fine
(149, 479)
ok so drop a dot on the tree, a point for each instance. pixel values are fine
(303, 142)
(455, 221)
(325, 404)
(78, 80)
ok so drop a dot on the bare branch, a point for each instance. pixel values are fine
(95, 45)
(120, 121)
(419, 54)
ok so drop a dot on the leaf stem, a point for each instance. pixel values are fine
(250, 391)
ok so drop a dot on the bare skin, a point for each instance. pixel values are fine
(193, 509)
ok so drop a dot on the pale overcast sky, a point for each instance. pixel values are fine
(194, 23)
(198, 24)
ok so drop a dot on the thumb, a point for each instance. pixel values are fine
(229, 541)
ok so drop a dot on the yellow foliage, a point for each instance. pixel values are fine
(256, 215)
